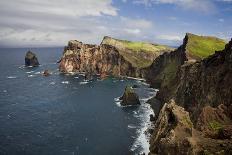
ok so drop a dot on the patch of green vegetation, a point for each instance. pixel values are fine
(216, 126)
(128, 90)
(202, 46)
(141, 46)
(206, 152)
(187, 121)
(139, 54)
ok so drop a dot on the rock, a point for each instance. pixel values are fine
(225, 132)
(152, 118)
(111, 57)
(129, 97)
(46, 73)
(103, 76)
(135, 86)
(172, 133)
(31, 59)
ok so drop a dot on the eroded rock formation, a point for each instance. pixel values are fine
(31, 59)
(108, 58)
(129, 97)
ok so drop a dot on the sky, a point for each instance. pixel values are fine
(50, 23)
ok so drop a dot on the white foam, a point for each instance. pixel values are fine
(76, 77)
(30, 75)
(52, 83)
(38, 73)
(65, 82)
(30, 72)
(4, 91)
(83, 82)
(11, 77)
(131, 126)
(142, 140)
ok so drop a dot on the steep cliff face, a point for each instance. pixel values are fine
(112, 57)
(104, 59)
(207, 82)
(164, 68)
(204, 89)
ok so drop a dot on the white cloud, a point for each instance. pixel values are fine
(198, 5)
(132, 31)
(61, 7)
(170, 37)
(54, 23)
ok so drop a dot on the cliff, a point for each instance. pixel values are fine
(200, 47)
(204, 89)
(112, 57)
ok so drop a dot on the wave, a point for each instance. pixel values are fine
(65, 82)
(83, 82)
(52, 83)
(38, 72)
(31, 76)
(141, 142)
(30, 72)
(11, 77)
(131, 126)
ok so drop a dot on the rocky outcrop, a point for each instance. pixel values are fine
(129, 97)
(31, 59)
(46, 73)
(107, 58)
(174, 133)
(104, 59)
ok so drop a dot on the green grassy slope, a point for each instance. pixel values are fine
(200, 47)
(139, 54)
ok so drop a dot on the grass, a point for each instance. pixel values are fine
(139, 54)
(188, 121)
(202, 46)
(141, 46)
(216, 126)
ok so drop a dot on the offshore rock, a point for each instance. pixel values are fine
(129, 97)
(31, 59)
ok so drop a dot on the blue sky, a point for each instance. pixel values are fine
(33, 23)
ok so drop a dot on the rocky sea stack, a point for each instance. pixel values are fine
(31, 59)
(129, 97)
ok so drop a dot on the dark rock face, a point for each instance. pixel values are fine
(46, 73)
(31, 59)
(172, 133)
(129, 97)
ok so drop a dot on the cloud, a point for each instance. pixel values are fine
(54, 23)
(170, 37)
(221, 20)
(197, 5)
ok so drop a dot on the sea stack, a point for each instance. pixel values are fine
(31, 59)
(129, 97)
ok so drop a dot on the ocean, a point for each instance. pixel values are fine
(64, 114)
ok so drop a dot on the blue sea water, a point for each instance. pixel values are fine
(63, 114)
